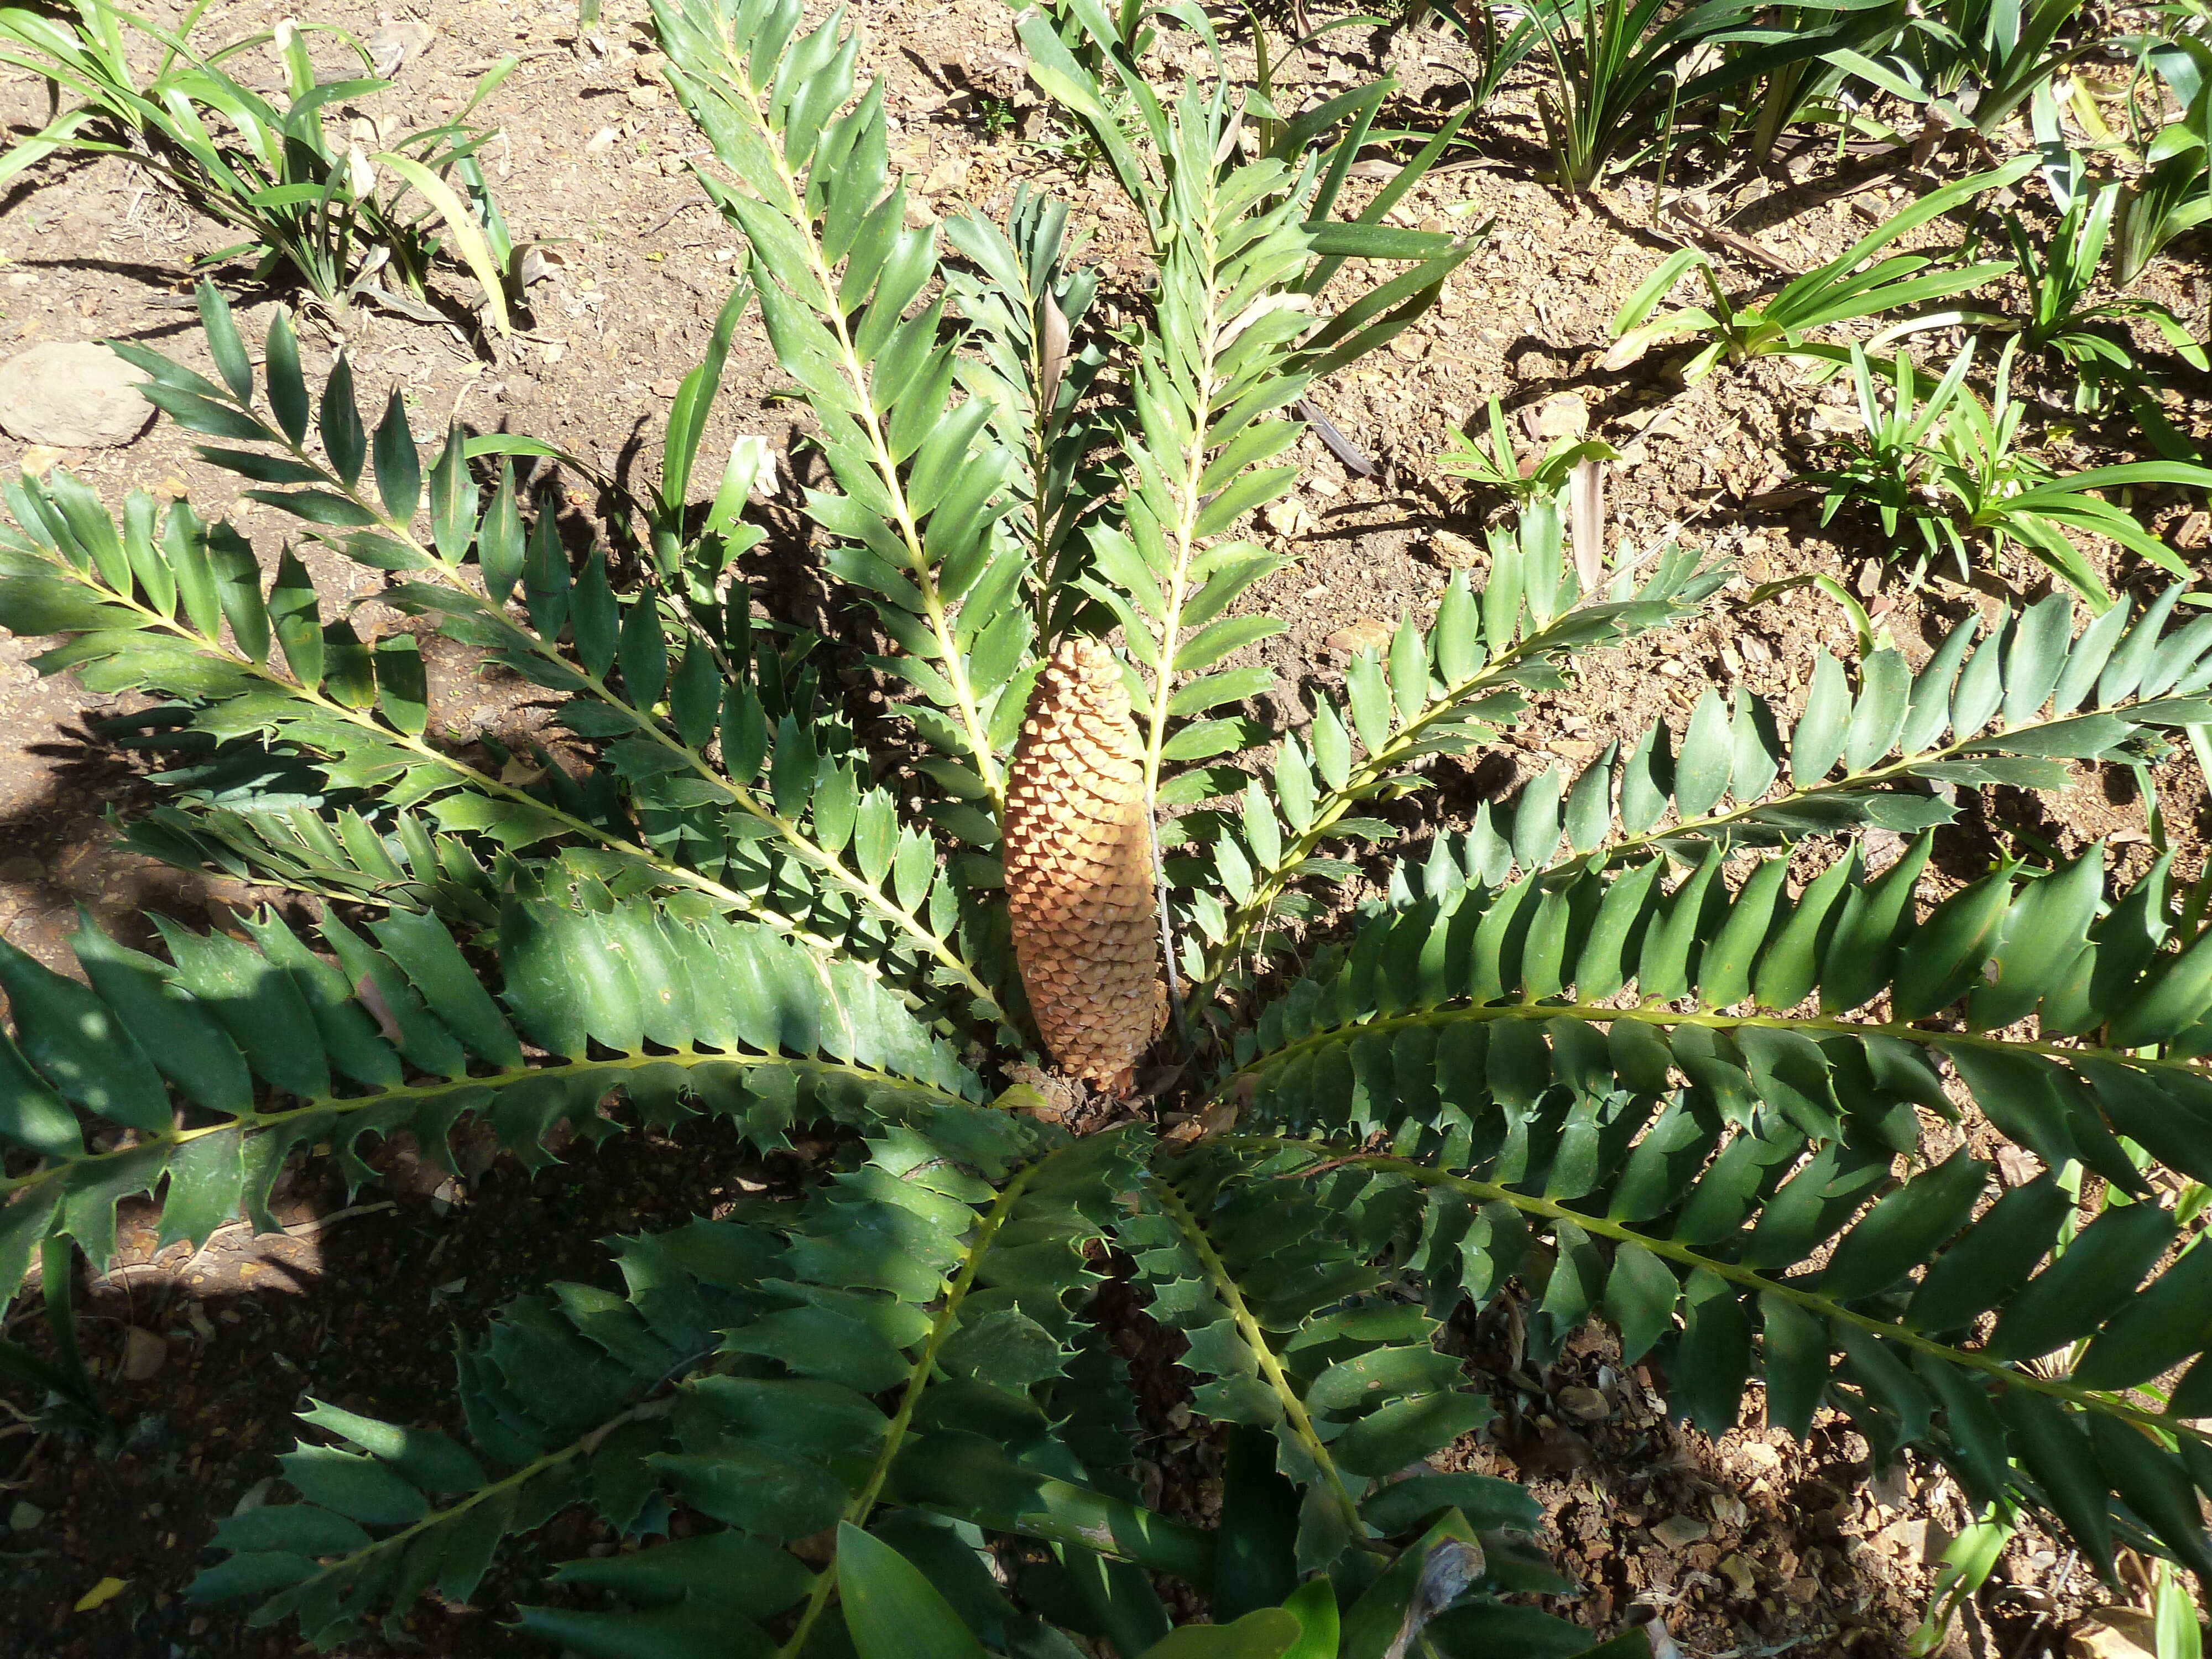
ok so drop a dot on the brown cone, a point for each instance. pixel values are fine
(1079, 853)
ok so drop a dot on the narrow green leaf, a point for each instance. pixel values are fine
(297, 620)
(339, 420)
(1995, 1258)
(402, 691)
(1861, 951)
(2059, 1457)
(1789, 967)
(1715, 1356)
(1702, 769)
(499, 551)
(890, 1609)
(1818, 740)
(1794, 1349)
(398, 464)
(1944, 954)
(1885, 691)
(2093, 1279)
(287, 386)
(81, 1049)
(224, 344)
(181, 1037)
(1904, 1229)
(1640, 1294)
(644, 653)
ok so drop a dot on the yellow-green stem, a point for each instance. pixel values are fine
(1599, 1014)
(1270, 1368)
(1745, 1278)
(941, 1327)
(328, 1106)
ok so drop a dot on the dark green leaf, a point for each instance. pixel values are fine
(297, 620)
(398, 464)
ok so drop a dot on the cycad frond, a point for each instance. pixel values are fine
(777, 823)
(2014, 707)
(774, 1378)
(1630, 1071)
(921, 481)
(280, 1047)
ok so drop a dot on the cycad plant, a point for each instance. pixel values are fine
(1599, 1052)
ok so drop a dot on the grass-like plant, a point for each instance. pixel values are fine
(1500, 467)
(2063, 321)
(1955, 471)
(1599, 1052)
(1975, 63)
(1846, 288)
(335, 217)
(2173, 196)
(1609, 59)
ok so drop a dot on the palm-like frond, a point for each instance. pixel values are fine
(1663, 1084)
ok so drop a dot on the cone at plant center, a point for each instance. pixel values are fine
(1078, 855)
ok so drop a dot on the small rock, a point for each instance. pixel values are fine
(1727, 1509)
(143, 1353)
(1737, 1571)
(1363, 633)
(394, 44)
(72, 394)
(1453, 552)
(1587, 1404)
(26, 1517)
(1563, 414)
(1833, 421)
(39, 458)
(645, 95)
(1921, 1541)
(1288, 518)
(1891, 1487)
(1804, 1591)
(2114, 1633)
(2195, 531)
(1679, 1532)
(601, 142)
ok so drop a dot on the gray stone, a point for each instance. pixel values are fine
(26, 1517)
(72, 394)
